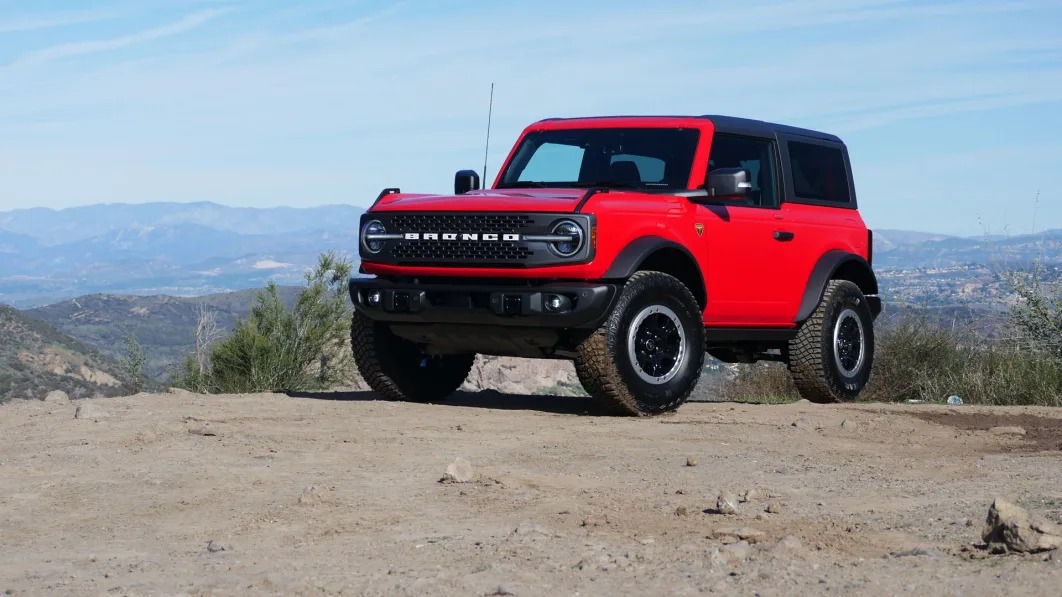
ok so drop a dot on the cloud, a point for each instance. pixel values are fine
(73, 50)
(52, 20)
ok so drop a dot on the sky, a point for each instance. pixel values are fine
(952, 110)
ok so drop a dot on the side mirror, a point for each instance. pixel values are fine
(728, 184)
(465, 181)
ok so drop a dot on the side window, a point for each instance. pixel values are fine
(819, 172)
(554, 161)
(753, 154)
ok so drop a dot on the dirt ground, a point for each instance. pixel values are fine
(341, 494)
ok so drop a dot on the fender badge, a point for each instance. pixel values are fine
(699, 227)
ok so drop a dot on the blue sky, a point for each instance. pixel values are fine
(952, 109)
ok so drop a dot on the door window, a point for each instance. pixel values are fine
(757, 156)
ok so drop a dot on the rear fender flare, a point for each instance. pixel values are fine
(827, 268)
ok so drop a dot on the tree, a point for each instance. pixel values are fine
(132, 363)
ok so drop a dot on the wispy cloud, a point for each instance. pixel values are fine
(73, 50)
(52, 20)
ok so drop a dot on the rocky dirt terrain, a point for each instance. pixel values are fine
(181, 494)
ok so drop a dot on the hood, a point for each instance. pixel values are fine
(525, 200)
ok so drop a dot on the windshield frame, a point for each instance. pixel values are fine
(678, 162)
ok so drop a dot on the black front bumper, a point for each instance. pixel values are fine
(484, 303)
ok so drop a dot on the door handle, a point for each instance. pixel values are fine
(782, 235)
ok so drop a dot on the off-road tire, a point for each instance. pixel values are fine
(398, 370)
(812, 354)
(604, 364)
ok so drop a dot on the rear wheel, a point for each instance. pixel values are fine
(647, 357)
(398, 370)
(831, 356)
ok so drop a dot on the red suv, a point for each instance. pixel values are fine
(632, 246)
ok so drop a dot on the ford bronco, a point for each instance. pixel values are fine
(632, 246)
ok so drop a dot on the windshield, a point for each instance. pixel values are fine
(645, 158)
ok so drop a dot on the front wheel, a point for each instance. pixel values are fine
(397, 369)
(831, 356)
(647, 357)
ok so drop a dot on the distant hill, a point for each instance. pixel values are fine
(36, 358)
(182, 249)
(910, 250)
(164, 325)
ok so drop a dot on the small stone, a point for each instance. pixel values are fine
(744, 533)
(749, 495)
(57, 396)
(736, 552)
(682, 511)
(801, 423)
(691, 460)
(1012, 528)
(459, 471)
(313, 495)
(773, 508)
(848, 425)
(726, 503)
(214, 546)
(918, 551)
(790, 543)
(90, 411)
(501, 591)
(595, 520)
(529, 528)
(1007, 430)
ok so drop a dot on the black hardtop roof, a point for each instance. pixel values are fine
(735, 124)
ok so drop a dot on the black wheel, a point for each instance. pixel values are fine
(647, 357)
(831, 356)
(398, 370)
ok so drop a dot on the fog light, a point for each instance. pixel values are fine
(556, 303)
(374, 298)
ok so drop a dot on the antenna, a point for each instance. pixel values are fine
(486, 150)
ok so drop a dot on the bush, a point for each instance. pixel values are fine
(919, 360)
(132, 364)
(276, 348)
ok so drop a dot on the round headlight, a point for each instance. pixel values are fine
(371, 228)
(567, 248)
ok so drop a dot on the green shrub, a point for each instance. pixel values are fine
(276, 348)
(132, 364)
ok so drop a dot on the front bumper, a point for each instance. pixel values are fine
(585, 305)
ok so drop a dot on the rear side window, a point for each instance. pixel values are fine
(819, 172)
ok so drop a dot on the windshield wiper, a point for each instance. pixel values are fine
(522, 184)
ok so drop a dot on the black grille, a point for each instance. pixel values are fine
(457, 252)
(461, 222)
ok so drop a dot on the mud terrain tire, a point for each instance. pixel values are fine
(647, 357)
(831, 356)
(397, 369)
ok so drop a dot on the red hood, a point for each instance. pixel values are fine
(526, 200)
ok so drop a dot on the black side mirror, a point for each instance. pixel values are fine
(728, 183)
(465, 181)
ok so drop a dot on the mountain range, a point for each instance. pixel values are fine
(163, 248)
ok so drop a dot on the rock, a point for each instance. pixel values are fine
(691, 460)
(88, 410)
(1007, 431)
(682, 511)
(801, 423)
(529, 528)
(726, 503)
(214, 546)
(790, 543)
(773, 508)
(57, 396)
(748, 534)
(748, 495)
(736, 552)
(848, 425)
(1014, 529)
(595, 520)
(459, 471)
(313, 495)
(500, 591)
